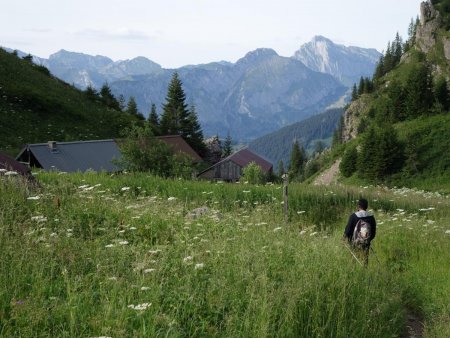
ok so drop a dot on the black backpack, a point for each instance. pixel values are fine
(362, 233)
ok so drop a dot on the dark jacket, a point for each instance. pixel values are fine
(354, 218)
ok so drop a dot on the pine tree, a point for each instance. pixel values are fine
(132, 108)
(297, 162)
(354, 92)
(418, 91)
(227, 146)
(108, 97)
(380, 69)
(91, 93)
(153, 120)
(366, 165)
(174, 120)
(193, 133)
(122, 102)
(349, 162)
(214, 149)
(361, 86)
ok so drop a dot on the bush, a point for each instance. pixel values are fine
(253, 174)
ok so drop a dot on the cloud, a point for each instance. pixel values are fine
(118, 34)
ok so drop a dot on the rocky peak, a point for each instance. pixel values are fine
(430, 22)
(258, 55)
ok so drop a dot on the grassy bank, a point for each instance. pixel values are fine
(129, 255)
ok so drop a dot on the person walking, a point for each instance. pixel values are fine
(361, 230)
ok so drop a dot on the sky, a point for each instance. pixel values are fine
(175, 33)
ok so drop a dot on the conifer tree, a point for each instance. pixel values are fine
(297, 162)
(91, 93)
(121, 100)
(361, 86)
(132, 108)
(108, 97)
(441, 93)
(354, 92)
(349, 161)
(227, 146)
(193, 133)
(153, 120)
(418, 91)
(174, 119)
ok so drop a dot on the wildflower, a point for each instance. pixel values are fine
(154, 252)
(171, 198)
(139, 307)
(246, 191)
(302, 232)
(113, 278)
(199, 266)
(430, 221)
(125, 189)
(145, 288)
(313, 234)
(447, 232)
(301, 212)
(33, 198)
(187, 259)
(277, 229)
(109, 246)
(11, 173)
(123, 242)
(149, 270)
(39, 218)
(53, 234)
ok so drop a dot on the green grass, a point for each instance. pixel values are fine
(75, 260)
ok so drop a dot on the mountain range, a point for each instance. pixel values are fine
(258, 94)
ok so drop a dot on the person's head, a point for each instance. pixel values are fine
(363, 204)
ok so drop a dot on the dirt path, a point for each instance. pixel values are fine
(414, 325)
(329, 176)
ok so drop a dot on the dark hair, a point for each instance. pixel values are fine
(363, 204)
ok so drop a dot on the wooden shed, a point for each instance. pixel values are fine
(230, 169)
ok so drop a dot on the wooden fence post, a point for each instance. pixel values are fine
(285, 198)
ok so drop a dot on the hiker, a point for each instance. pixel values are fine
(361, 230)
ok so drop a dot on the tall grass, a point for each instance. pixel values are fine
(88, 254)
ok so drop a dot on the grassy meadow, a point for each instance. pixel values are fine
(90, 255)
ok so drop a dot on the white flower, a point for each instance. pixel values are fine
(199, 266)
(145, 288)
(33, 198)
(246, 191)
(154, 252)
(83, 186)
(277, 229)
(171, 198)
(112, 278)
(39, 218)
(187, 259)
(301, 212)
(149, 270)
(123, 242)
(430, 221)
(109, 246)
(302, 232)
(448, 232)
(140, 307)
(53, 234)
(11, 173)
(313, 233)
(125, 189)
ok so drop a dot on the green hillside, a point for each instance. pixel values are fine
(37, 107)
(278, 145)
(400, 123)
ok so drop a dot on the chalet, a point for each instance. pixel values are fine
(230, 168)
(8, 164)
(95, 155)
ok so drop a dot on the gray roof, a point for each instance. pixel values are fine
(74, 156)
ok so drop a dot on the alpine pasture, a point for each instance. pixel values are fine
(132, 255)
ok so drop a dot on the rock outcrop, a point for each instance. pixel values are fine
(430, 22)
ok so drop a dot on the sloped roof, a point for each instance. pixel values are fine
(9, 163)
(180, 145)
(74, 156)
(243, 158)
